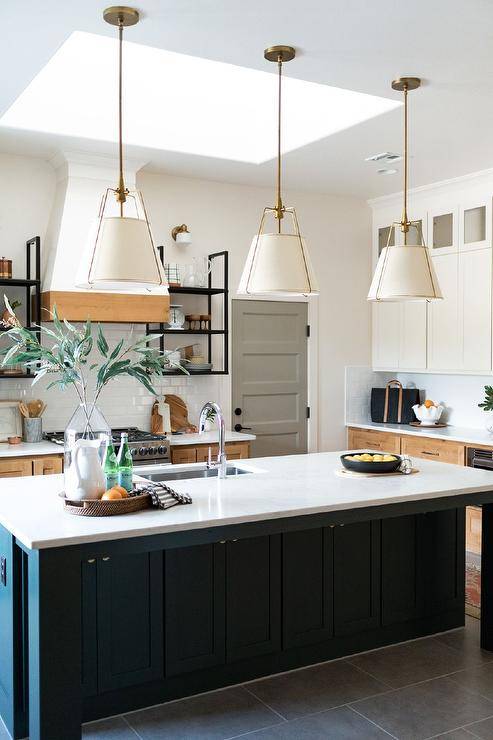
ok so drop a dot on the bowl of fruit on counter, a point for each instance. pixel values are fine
(369, 462)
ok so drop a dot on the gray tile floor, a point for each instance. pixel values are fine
(437, 687)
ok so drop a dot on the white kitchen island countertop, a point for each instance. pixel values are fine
(31, 509)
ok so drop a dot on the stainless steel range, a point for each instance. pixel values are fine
(146, 448)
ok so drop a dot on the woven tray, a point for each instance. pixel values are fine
(107, 508)
(343, 473)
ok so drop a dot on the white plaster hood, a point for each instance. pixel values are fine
(81, 181)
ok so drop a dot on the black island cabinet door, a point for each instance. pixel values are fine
(130, 619)
(403, 568)
(307, 566)
(356, 577)
(194, 596)
(446, 567)
(253, 597)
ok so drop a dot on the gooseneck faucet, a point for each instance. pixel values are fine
(221, 455)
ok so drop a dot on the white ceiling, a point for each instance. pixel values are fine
(353, 44)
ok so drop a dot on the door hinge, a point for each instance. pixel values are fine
(308, 330)
(307, 412)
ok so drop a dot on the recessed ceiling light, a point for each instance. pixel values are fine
(386, 171)
(181, 103)
(384, 157)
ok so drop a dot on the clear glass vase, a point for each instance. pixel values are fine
(87, 423)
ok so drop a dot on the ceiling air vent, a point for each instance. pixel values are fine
(384, 157)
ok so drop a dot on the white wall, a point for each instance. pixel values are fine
(220, 216)
(224, 216)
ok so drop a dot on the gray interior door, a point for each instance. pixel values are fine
(270, 374)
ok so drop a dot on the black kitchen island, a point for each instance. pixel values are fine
(99, 617)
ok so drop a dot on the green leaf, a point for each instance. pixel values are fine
(116, 350)
(102, 343)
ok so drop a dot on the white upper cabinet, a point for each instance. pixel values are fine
(399, 329)
(444, 335)
(475, 302)
(455, 334)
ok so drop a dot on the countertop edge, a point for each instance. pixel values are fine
(445, 433)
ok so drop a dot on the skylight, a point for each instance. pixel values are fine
(179, 103)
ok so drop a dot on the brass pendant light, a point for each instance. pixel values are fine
(122, 255)
(405, 272)
(278, 263)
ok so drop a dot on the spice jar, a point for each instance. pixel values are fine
(5, 268)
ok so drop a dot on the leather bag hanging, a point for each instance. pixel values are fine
(393, 404)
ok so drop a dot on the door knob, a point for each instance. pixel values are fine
(237, 411)
(239, 428)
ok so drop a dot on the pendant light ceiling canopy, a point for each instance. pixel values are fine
(278, 263)
(405, 272)
(121, 255)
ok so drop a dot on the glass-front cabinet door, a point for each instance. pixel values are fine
(475, 225)
(443, 231)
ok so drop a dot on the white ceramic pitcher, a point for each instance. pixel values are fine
(85, 477)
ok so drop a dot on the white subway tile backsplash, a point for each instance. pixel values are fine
(124, 402)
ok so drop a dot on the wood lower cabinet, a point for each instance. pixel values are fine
(433, 449)
(373, 439)
(14, 467)
(473, 529)
(186, 454)
(47, 465)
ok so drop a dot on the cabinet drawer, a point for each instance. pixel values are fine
(15, 468)
(433, 449)
(183, 455)
(47, 465)
(373, 440)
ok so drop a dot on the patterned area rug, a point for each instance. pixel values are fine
(473, 581)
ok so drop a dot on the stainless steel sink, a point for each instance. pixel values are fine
(170, 475)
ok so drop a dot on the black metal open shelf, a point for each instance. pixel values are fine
(209, 333)
(197, 291)
(177, 332)
(33, 297)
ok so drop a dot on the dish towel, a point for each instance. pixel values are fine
(162, 496)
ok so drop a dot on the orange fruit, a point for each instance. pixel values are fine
(429, 403)
(123, 491)
(111, 495)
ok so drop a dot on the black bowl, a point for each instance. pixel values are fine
(358, 466)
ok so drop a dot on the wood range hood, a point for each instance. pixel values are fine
(81, 179)
(81, 305)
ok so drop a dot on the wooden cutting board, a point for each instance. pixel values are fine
(179, 414)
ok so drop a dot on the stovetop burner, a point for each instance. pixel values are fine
(144, 446)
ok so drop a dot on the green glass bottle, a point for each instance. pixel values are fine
(111, 466)
(125, 464)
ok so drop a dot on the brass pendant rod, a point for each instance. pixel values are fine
(121, 192)
(279, 207)
(405, 220)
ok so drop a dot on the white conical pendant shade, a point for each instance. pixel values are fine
(278, 264)
(404, 273)
(121, 256)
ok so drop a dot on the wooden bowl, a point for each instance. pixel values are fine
(359, 466)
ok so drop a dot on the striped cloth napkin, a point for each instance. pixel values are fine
(163, 497)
